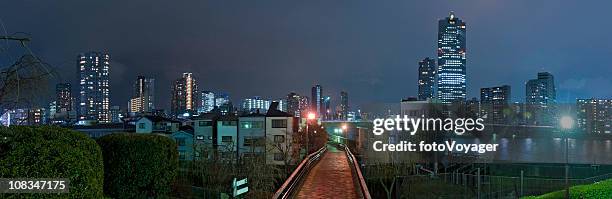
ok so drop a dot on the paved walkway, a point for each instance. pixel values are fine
(330, 178)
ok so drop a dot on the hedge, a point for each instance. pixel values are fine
(52, 152)
(601, 189)
(138, 165)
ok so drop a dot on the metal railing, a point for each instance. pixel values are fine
(291, 184)
(363, 187)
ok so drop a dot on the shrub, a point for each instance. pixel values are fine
(52, 152)
(601, 189)
(138, 165)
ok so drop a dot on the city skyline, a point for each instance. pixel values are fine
(374, 78)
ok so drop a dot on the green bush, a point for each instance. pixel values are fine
(138, 165)
(52, 152)
(597, 190)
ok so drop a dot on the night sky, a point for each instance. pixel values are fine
(368, 48)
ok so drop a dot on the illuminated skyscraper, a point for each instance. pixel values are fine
(143, 98)
(184, 95)
(451, 82)
(427, 78)
(317, 100)
(93, 72)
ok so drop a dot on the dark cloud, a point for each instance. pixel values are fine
(368, 48)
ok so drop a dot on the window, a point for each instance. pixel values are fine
(251, 124)
(279, 138)
(180, 141)
(279, 157)
(229, 123)
(205, 123)
(181, 155)
(248, 141)
(141, 125)
(226, 138)
(279, 123)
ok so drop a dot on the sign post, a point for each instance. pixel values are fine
(239, 191)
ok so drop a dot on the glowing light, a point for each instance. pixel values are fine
(311, 116)
(567, 122)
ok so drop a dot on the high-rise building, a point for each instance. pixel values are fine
(594, 115)
(493, 102)
(293, 104)
(541, 91)
(317, 100)
(255, 104)
(344, 105)
(451, 81)
(427, 78)
(540, 97)
(326, 105)
(184, 95)
(63, 100)
(94, 101)
(143, 100)
(207, 103)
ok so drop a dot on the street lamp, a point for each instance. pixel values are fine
(566, 124)
(310, 116)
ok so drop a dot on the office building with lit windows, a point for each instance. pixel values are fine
(493, 102)
(94, 101)
(255, 104)
(451, 81)
(427, 78)
(541, 91)
(207, 102)
(594, 115)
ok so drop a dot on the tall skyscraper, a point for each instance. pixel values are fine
(427, 78)
(94, 101)
(451, 82)
(207, 103)
(344, 105)
(494, 101)
(317, 100)
(327, 113)
(143, 100)
(63, 100)
(541, 90)
(184, 95)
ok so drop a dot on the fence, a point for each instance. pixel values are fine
(460, 185)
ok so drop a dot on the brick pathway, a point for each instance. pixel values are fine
(330, 178)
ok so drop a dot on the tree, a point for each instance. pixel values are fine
(24, 82)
